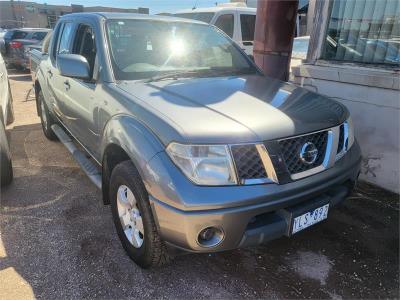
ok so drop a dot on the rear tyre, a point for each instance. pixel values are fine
(133, 218)
(6, 171)
(10, 108)
(45, 118)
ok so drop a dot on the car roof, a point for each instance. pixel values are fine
(129, 16)
(218, 9)
(29, 29)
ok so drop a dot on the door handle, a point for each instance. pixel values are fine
(67, 85)
(50, 73)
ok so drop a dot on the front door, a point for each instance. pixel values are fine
(81, 106)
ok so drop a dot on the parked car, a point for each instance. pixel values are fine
(237, 21)
(2, 32)
(6, 118)
(36, 52)
(193, 147)
(17, 43)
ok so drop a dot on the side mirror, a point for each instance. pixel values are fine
(74, 66)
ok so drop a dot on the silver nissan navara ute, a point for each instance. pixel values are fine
(193, 147)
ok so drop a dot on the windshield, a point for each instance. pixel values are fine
(199, 16)
(142, 49)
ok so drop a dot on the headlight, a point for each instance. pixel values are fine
(204, 164)
(350, 132)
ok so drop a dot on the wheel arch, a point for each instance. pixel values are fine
(126, 138)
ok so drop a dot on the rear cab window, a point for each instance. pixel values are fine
(16, 34)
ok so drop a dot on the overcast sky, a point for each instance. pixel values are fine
(156, 6)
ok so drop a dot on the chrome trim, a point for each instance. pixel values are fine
(232, 163)
(253, 181)
(256, 181)
(304, 134)
(330, 154)
(345, 141)
(268, 165)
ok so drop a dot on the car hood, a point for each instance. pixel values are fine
(236, 109)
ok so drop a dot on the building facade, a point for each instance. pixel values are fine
(354, 57)
(14, 14)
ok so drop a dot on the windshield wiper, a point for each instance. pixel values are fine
(202, 72)
(174, 75)
(230, 71)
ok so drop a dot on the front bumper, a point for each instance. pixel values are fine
(248, 215)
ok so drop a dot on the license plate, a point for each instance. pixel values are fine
(310, 218)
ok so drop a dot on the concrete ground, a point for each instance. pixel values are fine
(57, 240)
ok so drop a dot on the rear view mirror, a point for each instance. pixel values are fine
(74, 66)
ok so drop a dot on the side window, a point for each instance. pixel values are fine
(85, 44)
(39, 35)
(19, 35)
(247, 24)
(225, 23)
(54, 42)
(64, 45)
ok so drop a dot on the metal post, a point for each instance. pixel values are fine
(273, 40)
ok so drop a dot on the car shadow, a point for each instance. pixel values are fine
(59, 237)
(18, 75)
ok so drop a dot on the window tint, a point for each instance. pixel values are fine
(19, 34)
(248, 24)
(225, 23)
(64, 45)
(54, 42)
(364, 31)
(203, 16)
(39, 35)
(84, 44)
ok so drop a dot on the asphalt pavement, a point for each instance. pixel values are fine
(57, 240)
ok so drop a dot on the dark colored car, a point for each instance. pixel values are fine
(16, 45)
(6, 118)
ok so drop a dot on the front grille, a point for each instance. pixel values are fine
(248, 162)
(341, 139)
(290, 150)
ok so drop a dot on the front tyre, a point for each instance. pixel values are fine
(6, 170)
(133, 218)
(45, 118)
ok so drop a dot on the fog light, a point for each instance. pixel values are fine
(210, 236)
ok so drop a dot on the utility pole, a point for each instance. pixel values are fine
(274, 34)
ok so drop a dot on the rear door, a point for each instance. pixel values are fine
(61, 44)
(3, 88)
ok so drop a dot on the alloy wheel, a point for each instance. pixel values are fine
(129, 216)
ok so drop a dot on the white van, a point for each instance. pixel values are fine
(237, 21)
